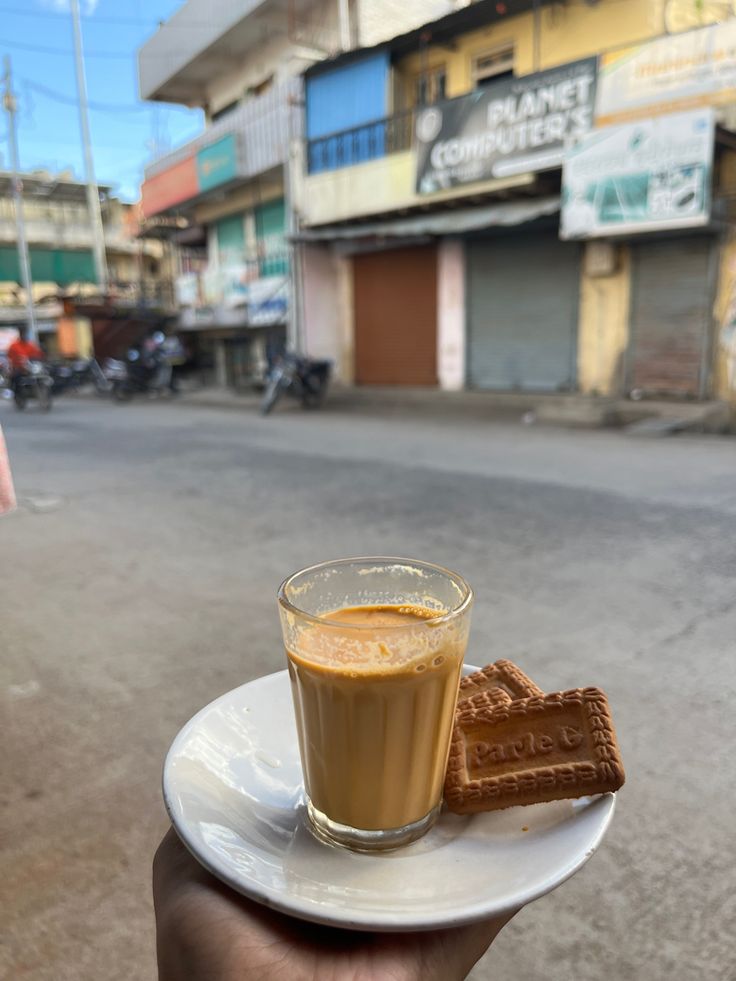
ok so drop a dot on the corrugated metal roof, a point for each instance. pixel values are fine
(461, 220)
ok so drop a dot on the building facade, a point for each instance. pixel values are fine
(450, 228)
(59, 237)
(228, 192)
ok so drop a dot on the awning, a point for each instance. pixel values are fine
(455, 222)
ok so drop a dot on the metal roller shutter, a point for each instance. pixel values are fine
(522, 313)
(671, 294)
(395, 296)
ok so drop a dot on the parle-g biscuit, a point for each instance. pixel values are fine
(484, 699)
(501, 674)
(532, 750)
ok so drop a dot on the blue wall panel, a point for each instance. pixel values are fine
(342, 99)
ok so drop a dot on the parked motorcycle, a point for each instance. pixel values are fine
(34, 383)
(74, 376)
(300, 377)
(87, 371)
(5, 374)
(61, 376)
(137, 374)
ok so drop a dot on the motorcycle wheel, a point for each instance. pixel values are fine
(271, 395)
(44, 398)
(20, 400)
(121, 392)
(312, 399)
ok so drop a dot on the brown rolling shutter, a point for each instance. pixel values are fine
(395, 297)
(670, 315)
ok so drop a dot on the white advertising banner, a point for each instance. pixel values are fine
(639, 177)
(677, 72)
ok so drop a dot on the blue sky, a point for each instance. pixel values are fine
(45, 84)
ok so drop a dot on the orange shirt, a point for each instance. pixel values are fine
(21, 351)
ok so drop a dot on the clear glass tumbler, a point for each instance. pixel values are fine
(374, 649)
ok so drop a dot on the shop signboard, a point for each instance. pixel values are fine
(515, 126)
(7, 336)
(268, 302)
(186, 288)
(210, 167)
(170, 187)
(217, 163)
(643, 176)
(670, 74)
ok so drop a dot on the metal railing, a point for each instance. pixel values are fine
(379, 138)
(152, 294)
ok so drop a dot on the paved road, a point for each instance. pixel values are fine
(137, 584)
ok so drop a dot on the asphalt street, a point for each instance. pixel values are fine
(138, 583)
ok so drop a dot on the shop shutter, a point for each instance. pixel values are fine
(522, 303)
(670, 314)
(395, 296)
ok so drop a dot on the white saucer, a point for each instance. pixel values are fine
(233, 789)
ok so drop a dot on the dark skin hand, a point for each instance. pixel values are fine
(207, 932)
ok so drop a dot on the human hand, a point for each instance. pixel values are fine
(207, 932)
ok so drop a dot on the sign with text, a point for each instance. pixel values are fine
(669, 74)
(515, 126)
(185, 180)
(639, 177)
(217, 163)
(170, 187)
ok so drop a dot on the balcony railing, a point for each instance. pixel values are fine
(149, 294)
(367, 142)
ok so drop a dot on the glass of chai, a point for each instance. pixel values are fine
(374, 648)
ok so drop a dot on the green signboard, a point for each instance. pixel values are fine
(61, 266)
(271, 236)
(217, 163)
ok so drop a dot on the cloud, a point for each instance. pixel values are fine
(87, 7)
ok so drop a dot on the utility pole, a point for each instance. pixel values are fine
(20, 224)
(93, 196)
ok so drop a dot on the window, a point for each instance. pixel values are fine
(429, 87)
(493, 65)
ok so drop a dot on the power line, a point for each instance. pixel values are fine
(67, 52)
(70, 100)
(100, 19)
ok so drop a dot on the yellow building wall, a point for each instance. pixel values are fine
(374, 188)
(603, 325)
(568, 32)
